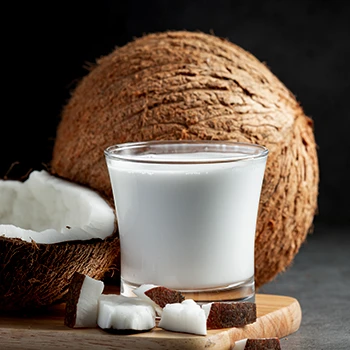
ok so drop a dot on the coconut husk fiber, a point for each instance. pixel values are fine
(195, 86)
(34, 276)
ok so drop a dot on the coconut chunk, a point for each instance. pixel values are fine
(186, 317)
(125, 313)
(158, 296)
(258, 344)
(47, 209)
(82, 302)
(140, 293)
(227, 315)
(240, 344)
(163, 296)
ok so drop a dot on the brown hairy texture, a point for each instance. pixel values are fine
(195, 86)
(263, 344)
(227, 315)
(37, 275)
(73, 296)
(162, 296)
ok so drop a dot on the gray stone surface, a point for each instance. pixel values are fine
(319, 279)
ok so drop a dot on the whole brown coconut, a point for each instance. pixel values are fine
(183, 85)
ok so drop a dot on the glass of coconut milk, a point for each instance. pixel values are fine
(187, 213)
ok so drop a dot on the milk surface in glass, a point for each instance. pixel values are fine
(183, 225)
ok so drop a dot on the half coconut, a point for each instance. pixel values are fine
(51, 228)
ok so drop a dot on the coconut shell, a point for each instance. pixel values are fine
(34, 275)
(184, 85)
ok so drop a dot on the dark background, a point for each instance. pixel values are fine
(306, 44)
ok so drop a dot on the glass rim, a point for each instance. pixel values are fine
(132, 149)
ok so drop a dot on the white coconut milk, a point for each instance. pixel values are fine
(187, 226)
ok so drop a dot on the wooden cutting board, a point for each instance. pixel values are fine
(278, 316)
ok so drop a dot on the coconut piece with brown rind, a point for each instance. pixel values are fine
(258, 344)
(140, 293)
(162, 296)
(263, 344)
(82, 301)
(227, 315)
(49, 229)
(158, 296)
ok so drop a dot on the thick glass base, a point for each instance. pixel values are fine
(236, 292)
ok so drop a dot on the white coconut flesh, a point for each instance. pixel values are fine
(240, 344)
(87, 306)
(206, 308)
(47, 209)
(186, 317)
(125, 313)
